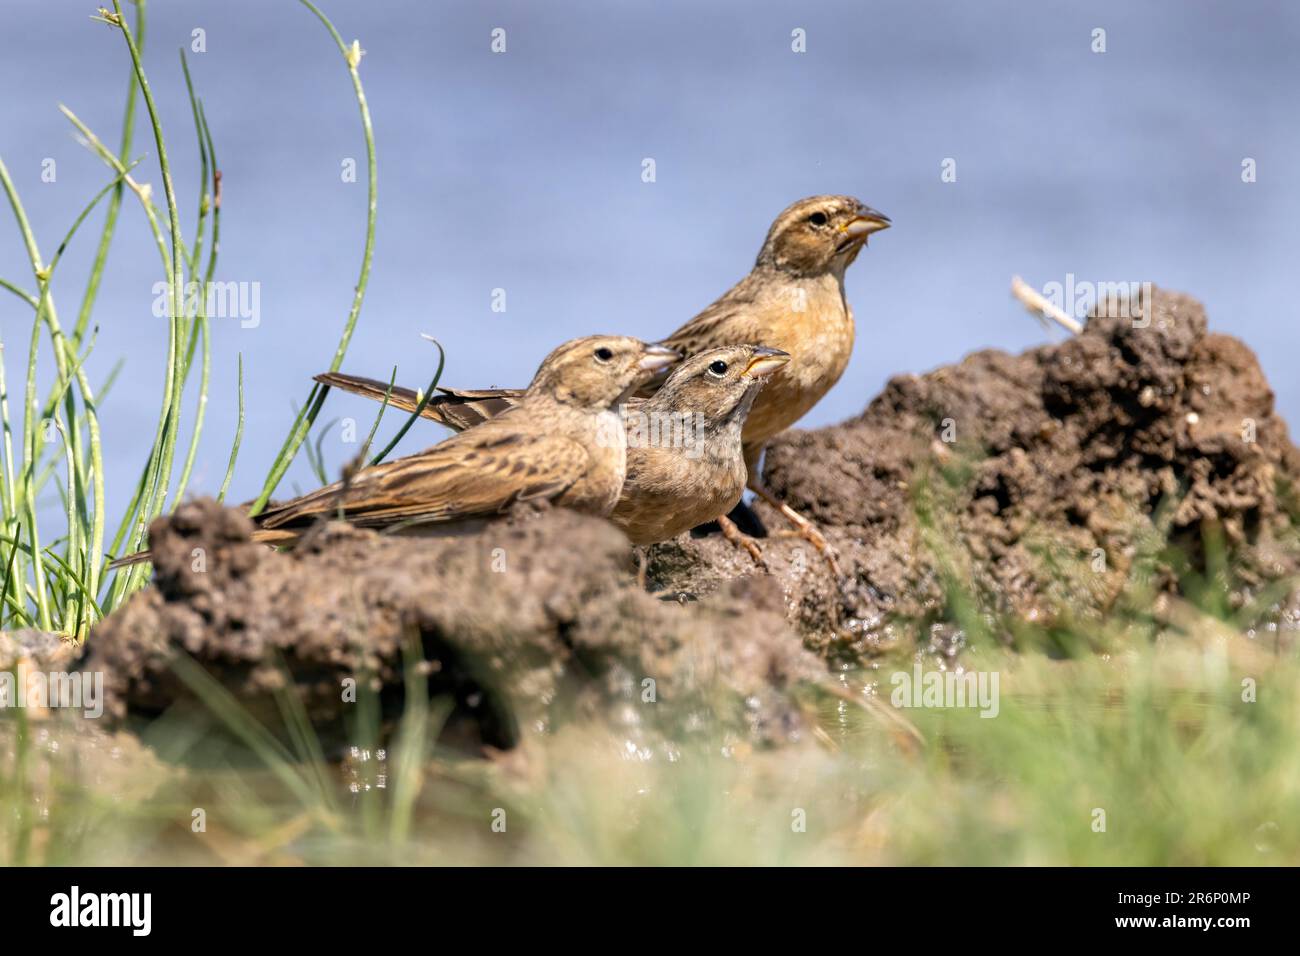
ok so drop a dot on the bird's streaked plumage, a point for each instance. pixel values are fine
(562, 442)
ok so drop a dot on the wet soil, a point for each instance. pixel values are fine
(534, 621)
(1034, 483)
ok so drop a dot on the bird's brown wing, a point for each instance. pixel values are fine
(458, 409)
(728, 321)
(477, 473)
(731, 320)
(464, 408)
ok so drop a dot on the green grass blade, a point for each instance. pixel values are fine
(297, 434)
(239, 435)
(419, 409)
(114, 203)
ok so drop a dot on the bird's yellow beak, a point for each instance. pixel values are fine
(766, 361)
(657, 357)
(865, 223)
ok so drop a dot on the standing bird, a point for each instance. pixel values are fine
(792, 300)
(562, 442)
(699, 474)
(685, 458)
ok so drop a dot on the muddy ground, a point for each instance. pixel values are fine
(534, 621)
(1038, 481)
(1035, 486)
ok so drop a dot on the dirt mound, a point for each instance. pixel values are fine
(522, 625)
(37, 649)
(1033, 479)
(1033, 484)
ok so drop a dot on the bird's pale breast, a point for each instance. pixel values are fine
(605, 439)
(820, 341)
(668, 491)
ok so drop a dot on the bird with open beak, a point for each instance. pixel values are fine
(685, 457)
(793, 300)
(685, 476)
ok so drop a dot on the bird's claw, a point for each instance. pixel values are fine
(804, 528)
(810, 533)
(739, 539)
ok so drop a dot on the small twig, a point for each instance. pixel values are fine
(1034, 300)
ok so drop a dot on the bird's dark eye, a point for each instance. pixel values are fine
(603, 354)
(718, 368)
(818, 219)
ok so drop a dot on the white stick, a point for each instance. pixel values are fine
(1035, 302)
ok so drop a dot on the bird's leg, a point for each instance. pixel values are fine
(739, 539)
(641, 567)
(805, 528)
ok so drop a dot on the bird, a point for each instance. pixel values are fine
(685, 460)
(792, 300)
(562, 442)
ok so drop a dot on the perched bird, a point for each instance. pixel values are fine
(685, 461)
(792, 300)
(698, 475)
(563, 441)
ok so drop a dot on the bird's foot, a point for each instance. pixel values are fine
(739, 539)
(805, 529)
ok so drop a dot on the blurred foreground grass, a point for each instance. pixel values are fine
(1158, 739)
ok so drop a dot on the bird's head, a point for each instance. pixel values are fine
(820, 234)
(600, 370)
(719, 384)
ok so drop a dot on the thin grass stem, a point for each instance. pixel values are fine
(297, 434)
(114, 203)
(239, 436)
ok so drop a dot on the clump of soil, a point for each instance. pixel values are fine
(1037, 478)
(522, 625)
(54, 748)
(36, 649)
(1036, 483)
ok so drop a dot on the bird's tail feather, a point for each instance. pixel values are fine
(273, 536)
(457, 409)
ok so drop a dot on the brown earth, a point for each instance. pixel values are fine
(1035, 479)
(1035, 483)
(525, 624)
